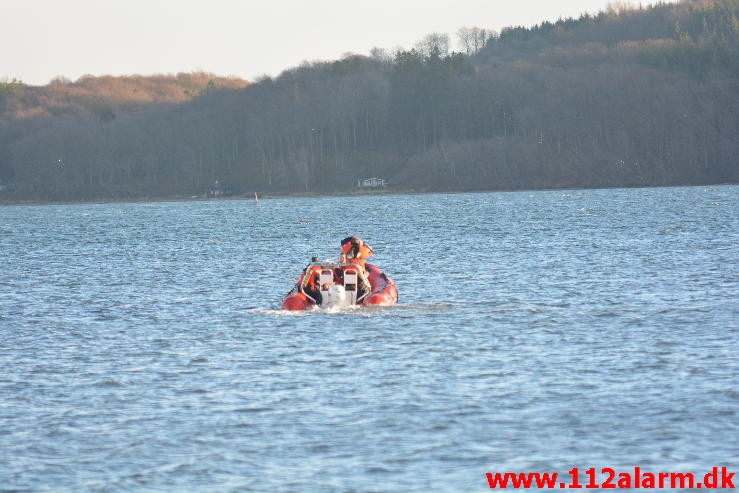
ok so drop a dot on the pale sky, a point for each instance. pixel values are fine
(42, 39)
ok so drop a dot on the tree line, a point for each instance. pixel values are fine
(627, 97)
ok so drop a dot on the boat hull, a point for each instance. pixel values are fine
(384, 292)
(296, 301)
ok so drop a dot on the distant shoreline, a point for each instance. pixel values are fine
(199, 198)
(299, 195)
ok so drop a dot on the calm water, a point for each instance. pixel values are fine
(141, 348)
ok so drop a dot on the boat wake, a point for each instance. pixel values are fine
(361, 311)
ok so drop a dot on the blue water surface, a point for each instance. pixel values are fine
(142, 348)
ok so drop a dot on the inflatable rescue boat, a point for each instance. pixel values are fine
(326, 284)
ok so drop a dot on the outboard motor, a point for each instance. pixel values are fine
(332, 294)
(335, 296)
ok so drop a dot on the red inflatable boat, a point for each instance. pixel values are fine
(327, 284)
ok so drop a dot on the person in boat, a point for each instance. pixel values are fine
(309, 281)
(355, 251)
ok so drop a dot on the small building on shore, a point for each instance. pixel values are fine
(371, 183)
(218, 189)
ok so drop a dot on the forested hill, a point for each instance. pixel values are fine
(103, 97)
(627, 97)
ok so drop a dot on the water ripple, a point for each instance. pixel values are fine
(142, 348)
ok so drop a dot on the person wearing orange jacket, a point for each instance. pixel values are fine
(355, 251)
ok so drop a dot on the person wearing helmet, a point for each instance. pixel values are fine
(355, 251)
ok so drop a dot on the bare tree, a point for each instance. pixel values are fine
(473, 39)
(380, 55)
(620, 7)
(434, 42)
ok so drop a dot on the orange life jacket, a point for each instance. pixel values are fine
(355, 250)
